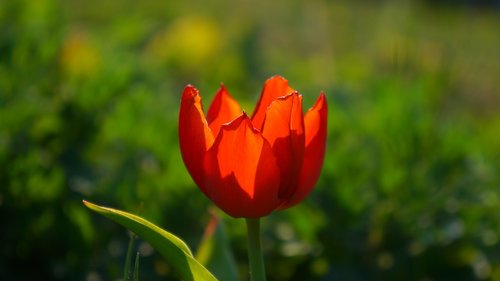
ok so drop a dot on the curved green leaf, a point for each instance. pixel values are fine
(173, 249)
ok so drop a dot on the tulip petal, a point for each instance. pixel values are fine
(242, 176)
(274, 87)
(222, 110)
(315, 122)
(284, 130)
(195, 136)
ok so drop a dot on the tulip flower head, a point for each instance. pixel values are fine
(251, 166)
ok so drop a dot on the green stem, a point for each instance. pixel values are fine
(257, 271)
(126, 271)
(136, 267)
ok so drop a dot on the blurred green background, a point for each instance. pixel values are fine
(89, 97)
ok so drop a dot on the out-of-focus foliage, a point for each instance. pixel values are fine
(89, 95)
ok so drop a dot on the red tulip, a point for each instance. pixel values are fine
(250, 167)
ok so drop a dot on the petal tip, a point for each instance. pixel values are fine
(190, 92)
(190, 87)
(277, 78)
(222, 88)
(322, 95)
(321, 103)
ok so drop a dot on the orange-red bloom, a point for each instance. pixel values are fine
(250, 167)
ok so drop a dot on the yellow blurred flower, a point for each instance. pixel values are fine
(186, 43)
(78, 57)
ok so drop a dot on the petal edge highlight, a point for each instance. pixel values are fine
(195, 137)
(284, 129)
(315, 123)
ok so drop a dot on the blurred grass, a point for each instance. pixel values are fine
(89, 94)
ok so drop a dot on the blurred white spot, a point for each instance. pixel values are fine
(93, 276)
(60, 271)
(416, 248)
(424, 221)
(481, 266)
(295, 248)
(145, 249)
(81, 185)
(150, 164)
(452, 205)
(490, 198)
(284, 231)
(385, 260)
(490, 238)
(454, 230)
(115, 248)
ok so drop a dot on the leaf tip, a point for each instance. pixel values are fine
(89, 205)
